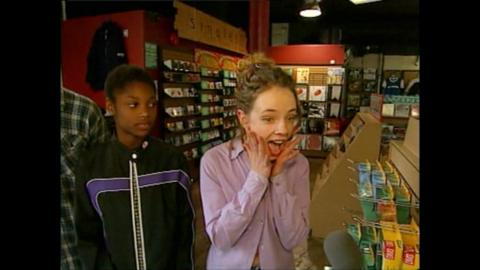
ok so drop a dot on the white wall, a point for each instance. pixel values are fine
(391, 62)
(401, 62)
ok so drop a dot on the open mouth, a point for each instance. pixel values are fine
(276, 146)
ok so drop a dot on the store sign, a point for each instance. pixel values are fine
(195, 25)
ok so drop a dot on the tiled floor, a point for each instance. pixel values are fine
(202, 243)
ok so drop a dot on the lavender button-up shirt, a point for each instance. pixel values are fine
(244, 211)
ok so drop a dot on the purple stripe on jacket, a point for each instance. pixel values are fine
(100, 185)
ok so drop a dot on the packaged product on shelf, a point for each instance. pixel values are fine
(383, 191)
(194, 153)
(355, 232)
(410, 233)
(190, 109)
(391, 246)
(393, 178)
(378, 175)
(369, 234)
(174, 92)
(403, 198)
(205, 111)
(191, 123)
(365, 189)
(178, 141)
(379, 255)
(387, 166)
(179, 125)
(205, 124)
(364, 166)
(410, 258)
(368, 256)
(387, 211)
(171, 126)
(364, 169)
(411, 250)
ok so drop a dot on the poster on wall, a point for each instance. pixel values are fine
(150, 55)
(334, 109)
(302, 91)
(279, 34)
(302, 75)
(369, 74)
(316, 110)
(318, 93)
(336, 93)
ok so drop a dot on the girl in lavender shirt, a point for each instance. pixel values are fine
(255, 187)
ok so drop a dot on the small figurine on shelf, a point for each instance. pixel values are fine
(393, 84)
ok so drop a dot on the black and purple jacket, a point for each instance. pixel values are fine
(133, 208)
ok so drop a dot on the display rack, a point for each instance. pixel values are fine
(180, 112)
(388, 232)
(331, 192)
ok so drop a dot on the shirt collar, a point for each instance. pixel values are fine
(128, 152)
(237, 148)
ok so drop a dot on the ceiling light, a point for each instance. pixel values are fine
(310, 9)
(358, 2)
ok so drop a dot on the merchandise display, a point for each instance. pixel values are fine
(319, 90)
(198, 101)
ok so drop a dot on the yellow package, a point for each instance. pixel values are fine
(392, 246)
(411, 246)
(410, 258)
(410, 239)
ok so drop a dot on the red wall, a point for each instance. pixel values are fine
(77, 35)
(307, 54)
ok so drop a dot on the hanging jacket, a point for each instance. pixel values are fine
(106, 52)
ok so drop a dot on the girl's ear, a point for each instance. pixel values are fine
(242, 118)
(110, 107)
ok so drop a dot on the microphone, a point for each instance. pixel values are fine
(342, 251)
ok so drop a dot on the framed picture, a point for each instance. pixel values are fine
(302, 91)
(318, 93)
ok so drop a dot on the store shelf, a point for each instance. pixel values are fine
(177, 132)
(210, 140)
(209, 89)
(181, 72)
(184, 147)
(230, 128)
(211, 128)
(164, 83)
(170, 118)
